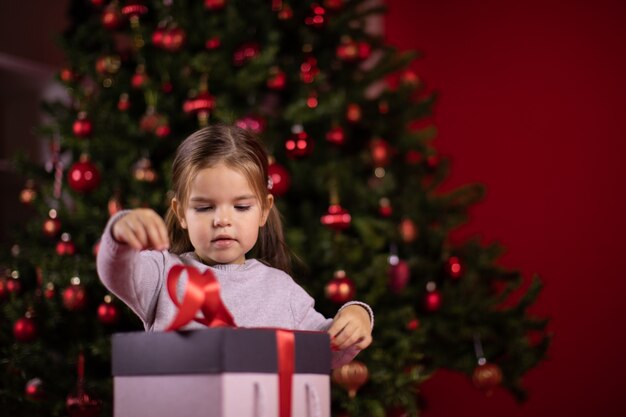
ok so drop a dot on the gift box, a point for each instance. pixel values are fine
(221, 372)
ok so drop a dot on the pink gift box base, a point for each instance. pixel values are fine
(217, 373)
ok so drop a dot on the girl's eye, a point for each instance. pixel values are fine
(203, 209)
(242, 208)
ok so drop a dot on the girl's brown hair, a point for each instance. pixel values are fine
(240, 150)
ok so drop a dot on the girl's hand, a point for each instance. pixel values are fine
(141, 229)
(351, 327)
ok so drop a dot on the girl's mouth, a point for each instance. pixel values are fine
(223, 241)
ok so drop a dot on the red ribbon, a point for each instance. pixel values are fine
(285, 343)
(201, 293)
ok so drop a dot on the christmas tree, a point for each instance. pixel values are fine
(354, 172)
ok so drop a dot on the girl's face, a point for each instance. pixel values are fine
(222, 215)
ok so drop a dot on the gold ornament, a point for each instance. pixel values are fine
(351, 376)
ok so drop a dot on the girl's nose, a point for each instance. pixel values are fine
(221, 219)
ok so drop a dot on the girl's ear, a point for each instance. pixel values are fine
(177, 208)
(266, 210)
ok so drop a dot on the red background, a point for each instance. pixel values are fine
(533, 104)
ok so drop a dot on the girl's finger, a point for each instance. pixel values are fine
(347, 337)
(138, 229)
(126, 235)
(154, 237)
(364, 342)
(336, 327)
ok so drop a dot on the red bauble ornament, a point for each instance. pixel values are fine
(111, 17)
(74, 296)
(213, 43)
(337, 218)
(65, 246)
(203, 102)
(150, 121)
(317, 18)
(82, 126)
(312, 101)
(381, 152)
(34, 389)
(255, 124)
(384, 207)
(454, 267)
(83, 176)
(174, 39)
(139, 78)
(245, 53)
(97, 3)
(277, 79)
(13, 285)
(299, 145)
(157, 36)
(413, 324)
(348, 51)
(134, 8)
(123, 103)
(336, 136)
(351, 376)
(408, 230)
(49, 291)
(432, 300)
(214, 4)
(108, 313)
(353, 113)
(309, 70)
(281, 180)
(340, 289)
(163, 130)
(25, 329)
(487, 376)
(3, 289)
(399, 275)
(67, 75)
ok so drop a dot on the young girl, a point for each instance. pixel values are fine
(222, 207)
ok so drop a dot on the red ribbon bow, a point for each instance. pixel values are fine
(201, 293)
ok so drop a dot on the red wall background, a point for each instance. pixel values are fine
(533, 105)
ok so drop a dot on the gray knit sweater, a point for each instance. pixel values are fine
(255, 294)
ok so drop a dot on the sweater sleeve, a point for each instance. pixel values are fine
(133, 276)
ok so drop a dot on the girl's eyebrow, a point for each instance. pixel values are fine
(205, 199)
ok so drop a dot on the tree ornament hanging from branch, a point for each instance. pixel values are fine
(340, 289)
(486, 376)
(351, 376)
